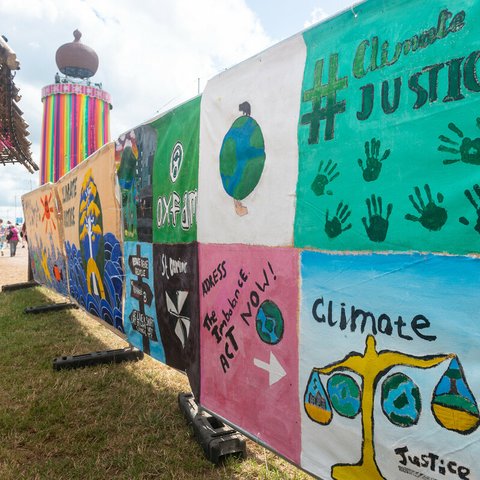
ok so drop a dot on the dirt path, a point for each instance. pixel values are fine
(13, 269)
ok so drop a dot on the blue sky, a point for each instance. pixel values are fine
(284, 18)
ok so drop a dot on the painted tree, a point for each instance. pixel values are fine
(126, 179)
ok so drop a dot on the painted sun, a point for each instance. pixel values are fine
(48, 210)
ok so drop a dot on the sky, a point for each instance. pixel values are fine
(154, 54)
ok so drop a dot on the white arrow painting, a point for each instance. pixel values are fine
(274, 369)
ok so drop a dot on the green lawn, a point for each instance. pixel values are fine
(116, 421)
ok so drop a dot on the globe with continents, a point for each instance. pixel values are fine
(269, 323)
(344, 394)
(401, 401)
(242, 156)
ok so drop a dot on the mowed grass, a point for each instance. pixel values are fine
(116, 421)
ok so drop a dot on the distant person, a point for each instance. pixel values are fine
(23, 234)
(25, 240)
(13, 238)
(3, 234)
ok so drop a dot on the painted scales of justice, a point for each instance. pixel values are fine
(453, 404)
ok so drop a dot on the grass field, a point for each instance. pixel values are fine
(116, 421)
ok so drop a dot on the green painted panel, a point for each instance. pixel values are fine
(175, 175)
(389, 138)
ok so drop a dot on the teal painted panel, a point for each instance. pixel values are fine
(389, 139)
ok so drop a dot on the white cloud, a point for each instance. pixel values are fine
(151, 52)
(15, 180)
(317, 15)
(148, 55)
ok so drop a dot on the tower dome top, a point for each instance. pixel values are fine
(76, 59)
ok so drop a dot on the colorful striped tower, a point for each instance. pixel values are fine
(76, 113)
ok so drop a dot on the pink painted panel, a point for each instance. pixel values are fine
(249, 344)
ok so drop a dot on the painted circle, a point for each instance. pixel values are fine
(269, 323)
(401, 402)
(176, 160)
(242, 157)
(344, 394)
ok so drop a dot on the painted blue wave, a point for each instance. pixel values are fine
(109, 308)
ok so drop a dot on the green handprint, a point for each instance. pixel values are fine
(377, 225)
(432, 217)
(475, 205)
(333, 227)
(325, 175)
(469, 150)
(373, 164)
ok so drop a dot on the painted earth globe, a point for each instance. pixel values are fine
(344, 395)
(401, 400)
(269, 323)
(242, 157)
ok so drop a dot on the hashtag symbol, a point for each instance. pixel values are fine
(329, 92)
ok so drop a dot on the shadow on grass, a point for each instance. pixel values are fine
(117, 421)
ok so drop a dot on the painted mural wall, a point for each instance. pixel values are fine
(249, 341)
(92, 235)
(43, 216)
(158, 177)
(303, 242)
(389, 380)
(248, 140)
(360, 133)
(388, 130)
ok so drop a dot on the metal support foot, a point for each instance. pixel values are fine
(97, 358)
(217, 439)
(51, 307)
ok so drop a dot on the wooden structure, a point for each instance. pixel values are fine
(14, 146)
